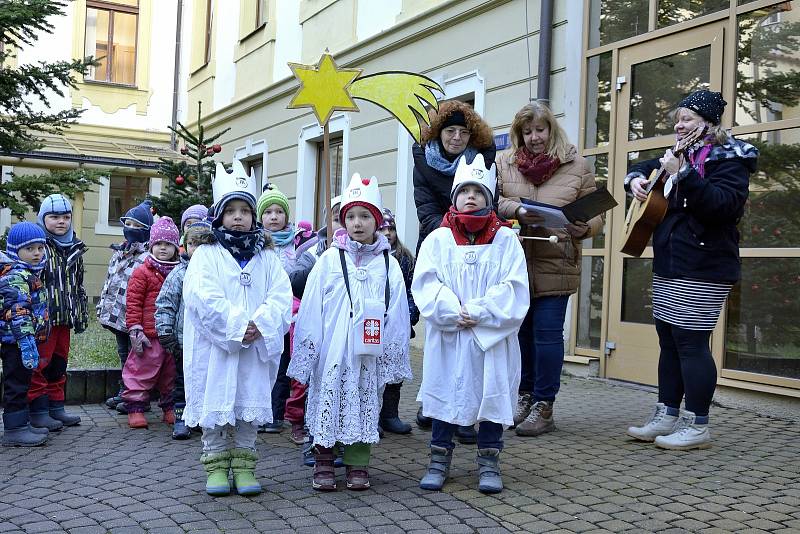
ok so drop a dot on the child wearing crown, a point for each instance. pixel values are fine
(471, 286)
(238, 305)
(351, 337)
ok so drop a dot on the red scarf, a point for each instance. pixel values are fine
(469, 229)
(538, 168)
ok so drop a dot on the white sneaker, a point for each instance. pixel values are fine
(688, 435)
(660, 424)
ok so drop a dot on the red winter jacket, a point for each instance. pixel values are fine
(143, 287)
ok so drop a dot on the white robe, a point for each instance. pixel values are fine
(346, 390)
(225, 380)
(471, 375)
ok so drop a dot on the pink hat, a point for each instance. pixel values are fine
(164, 229)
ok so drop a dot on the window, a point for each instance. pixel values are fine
(124, 192)
(111, 39)
(337, 155)
(207, 53)
(262, 13)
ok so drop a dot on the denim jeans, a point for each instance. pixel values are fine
(490, 435)
(541, 342)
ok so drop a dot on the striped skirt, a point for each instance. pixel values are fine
(689, 304)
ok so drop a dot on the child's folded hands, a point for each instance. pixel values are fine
(465, 321)
(252, 333)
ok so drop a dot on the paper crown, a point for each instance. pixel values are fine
(237, 181)
(362, 190)
(475, 173)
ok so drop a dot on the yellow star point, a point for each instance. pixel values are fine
(324, 88)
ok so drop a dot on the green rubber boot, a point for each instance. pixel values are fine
(217, 465)
(243, 465)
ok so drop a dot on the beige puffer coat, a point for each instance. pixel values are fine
(552, 269)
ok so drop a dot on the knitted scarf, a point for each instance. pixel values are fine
(343, 241)
(537, 168)
(698, 157)
(437, 160)
(242, 245)
(283, 237)
(473, 227)
(162, 267)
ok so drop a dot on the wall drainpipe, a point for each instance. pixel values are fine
(545, 49)
(176, 75)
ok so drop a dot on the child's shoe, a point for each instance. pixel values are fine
(169, 417)
(58, 413)
(243, 465)
(112, 402)
(395, 425)
(298, 435)
(137, 420)
(217, 465)
(18, 433)
(687, 435)
(179, 429)
(40, 415)
(275, 427)
(660, 424)
(308, 454)
(539, 421)
(438, 469)
(324, 475)
(466, 435)
(357, 477)
(423, 421)
(489, 480)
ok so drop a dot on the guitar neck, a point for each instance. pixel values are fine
(659, 179)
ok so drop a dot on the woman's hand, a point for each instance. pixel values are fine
(578, 229)
(638, 188)
(528, 217)
(671, 163)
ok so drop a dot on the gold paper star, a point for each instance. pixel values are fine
(323, 88)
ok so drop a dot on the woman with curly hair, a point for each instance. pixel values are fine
(456, 129)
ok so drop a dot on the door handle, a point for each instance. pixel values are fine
(621, 80)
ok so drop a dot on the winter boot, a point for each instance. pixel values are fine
(35, 430)
(539, 421)
(395, 425)
(438, 469)
(524, 405)
(112, 402)
(243, 465)
(298, 435)
(424, 422)
(40, 415)
(489, 480)
(168, 417)
(179, 429)
(137, 420)
(357, 477)
(58, 412)
(217, 465)
(389, 419)
(324, 475)
(687, 435)
(17, 432)
(660, 424)
(466, 435)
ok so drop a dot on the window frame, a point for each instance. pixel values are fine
(251, 152)
(102, 226)
(112, 8)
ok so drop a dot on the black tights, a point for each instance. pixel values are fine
(685, 366)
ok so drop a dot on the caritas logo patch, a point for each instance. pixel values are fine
(372, 332)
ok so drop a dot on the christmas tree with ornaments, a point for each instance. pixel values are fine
(187, 181)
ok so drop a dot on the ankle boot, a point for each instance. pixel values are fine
(423, 421)
(466, 435)
(438, 469)
(524, 405)
(686, 435)
(357, 477)
(489, 480)
(137, 420)
(324, 475)
(539, 421)
(18, 433)
(217, 465)
(660, 424)
(243, 466)
(390, 419)
(40, 415)
(179, 429)
(58, 412)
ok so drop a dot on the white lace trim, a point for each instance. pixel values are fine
(258, 416)
(304, 359)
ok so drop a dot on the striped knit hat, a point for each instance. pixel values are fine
(272, 195)
(21, 235)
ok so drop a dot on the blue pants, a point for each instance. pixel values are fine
(541, 342)
(490, 435)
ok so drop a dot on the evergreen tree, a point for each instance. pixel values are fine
(188, 181)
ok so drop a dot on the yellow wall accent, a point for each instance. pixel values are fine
(111, 98)
(317, 28)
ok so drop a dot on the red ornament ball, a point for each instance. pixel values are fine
(180, 180)
(217, 148)
(184, 150)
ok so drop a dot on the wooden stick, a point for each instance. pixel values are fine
(326, 161)
(553, 238)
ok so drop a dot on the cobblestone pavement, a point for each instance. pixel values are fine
(586, 477)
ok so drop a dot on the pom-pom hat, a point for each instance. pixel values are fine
(164, 229)
(475, 173)
(272, 195)
(362, 192)
(22, 235)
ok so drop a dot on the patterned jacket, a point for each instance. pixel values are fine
(63, 279)
(169, 305)
(111, 306)
(24, 303)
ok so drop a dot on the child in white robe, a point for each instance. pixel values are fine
(351, 337)
(238, 305)
(471, 286)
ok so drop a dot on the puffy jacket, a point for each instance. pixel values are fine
(111, 306)
(553, 269)
(63, 278)
(143, 289)
(169, 305)
(24, 301)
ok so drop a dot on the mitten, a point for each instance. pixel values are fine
(169, 342)
(30, 354)
(136, 335)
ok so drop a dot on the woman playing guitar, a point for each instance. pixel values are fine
(695, 264)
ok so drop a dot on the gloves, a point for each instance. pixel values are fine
(30, 354)
(138, 340)
(170, 342)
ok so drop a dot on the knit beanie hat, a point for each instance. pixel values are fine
(164, 229)
(456, 118)
(707, 104)
(219, 207)
(56, 204)
(272, 195)
(198, 211)
(388, 219)
(21, 235)
(304, 237)
(141, 214)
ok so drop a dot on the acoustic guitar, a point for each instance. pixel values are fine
(644, 215)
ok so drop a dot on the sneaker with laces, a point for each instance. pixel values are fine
(539, 421)
(686, 435)
(524, 405)
(660, 424)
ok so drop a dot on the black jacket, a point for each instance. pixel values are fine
(432, 191)
(698, 238)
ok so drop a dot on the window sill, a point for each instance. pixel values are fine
(254, 41)
(253, 32)
(110, 97)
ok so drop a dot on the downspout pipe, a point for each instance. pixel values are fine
(176, 76)
(545, 50)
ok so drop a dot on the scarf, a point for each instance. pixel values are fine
(136, 235)
(242, 245)
(283, 237)
(35, 269)
(537, 168)
(698, 157)
(474, 227)
(162, 267)
(343, 241)
(436, 159)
